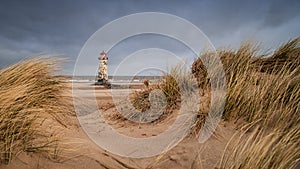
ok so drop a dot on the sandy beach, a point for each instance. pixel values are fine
(81, 152)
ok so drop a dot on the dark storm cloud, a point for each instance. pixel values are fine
(61, 27)
(280, 12)
(48, 27)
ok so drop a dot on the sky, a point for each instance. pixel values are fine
(62, 27)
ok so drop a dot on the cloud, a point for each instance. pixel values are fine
(281, 12)
(62, 27)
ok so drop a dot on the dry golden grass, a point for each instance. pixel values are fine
(260, 90)
(31, 108)
(266, 92)
(173, 84)
(263, 149)
(256, 83)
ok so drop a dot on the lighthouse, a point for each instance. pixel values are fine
(102, 70)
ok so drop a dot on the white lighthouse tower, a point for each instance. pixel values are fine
(102, 70)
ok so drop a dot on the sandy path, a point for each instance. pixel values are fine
(81, 152)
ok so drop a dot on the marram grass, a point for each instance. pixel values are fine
(31, 108)
(261, 90)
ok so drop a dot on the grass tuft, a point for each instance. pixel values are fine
(32, 108)
(267, 93)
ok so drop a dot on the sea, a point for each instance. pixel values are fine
(115, 79)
